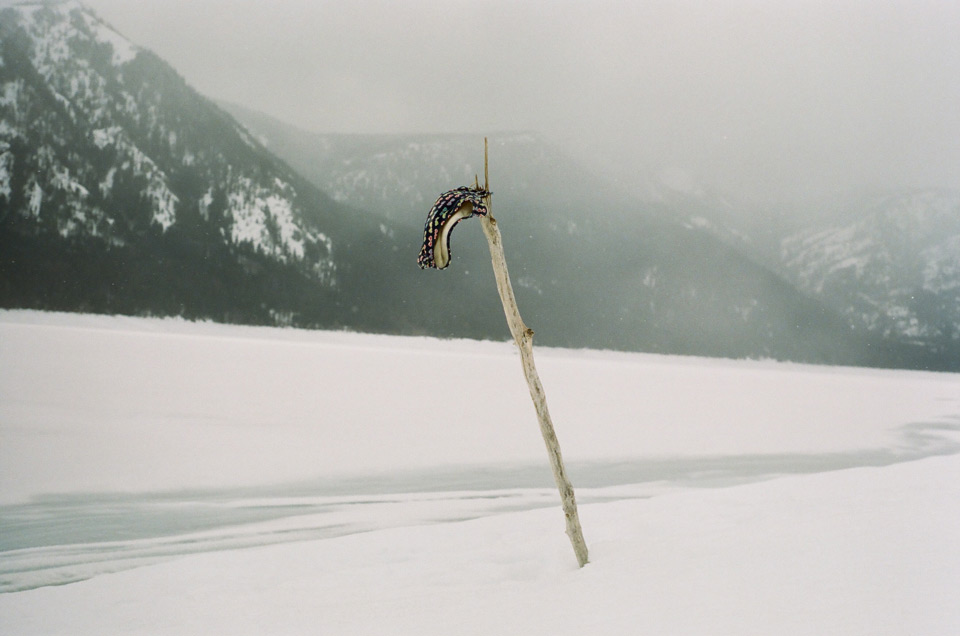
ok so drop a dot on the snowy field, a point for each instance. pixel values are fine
(165, 477)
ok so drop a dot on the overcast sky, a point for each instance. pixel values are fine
(763, 97)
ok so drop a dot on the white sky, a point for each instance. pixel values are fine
(770, 98)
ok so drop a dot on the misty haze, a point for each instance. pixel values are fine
(232, 403)
(783, 102)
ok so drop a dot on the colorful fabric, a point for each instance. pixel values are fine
(444, 215)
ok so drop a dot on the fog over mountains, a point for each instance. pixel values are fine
(886, 262)
(123, 190)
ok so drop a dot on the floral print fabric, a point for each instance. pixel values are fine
(443, 213)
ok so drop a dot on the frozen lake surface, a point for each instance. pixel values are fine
(305, 481)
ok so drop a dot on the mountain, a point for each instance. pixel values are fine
(122, 189)
(399, 175)
(592, 265)
(890, 263)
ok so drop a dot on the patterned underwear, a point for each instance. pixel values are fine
(449, 210)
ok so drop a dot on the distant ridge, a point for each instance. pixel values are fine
(599, 267)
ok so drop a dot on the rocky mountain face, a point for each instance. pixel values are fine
(122, 189)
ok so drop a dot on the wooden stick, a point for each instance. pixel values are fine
(523, 337)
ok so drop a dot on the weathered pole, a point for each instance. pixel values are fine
(523, 337)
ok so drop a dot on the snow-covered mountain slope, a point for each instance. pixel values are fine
(116, 120)
(102, 143)
(892, 266)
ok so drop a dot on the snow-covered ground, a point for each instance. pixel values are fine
(167, 477)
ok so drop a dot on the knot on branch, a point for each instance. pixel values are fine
(452, 207)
